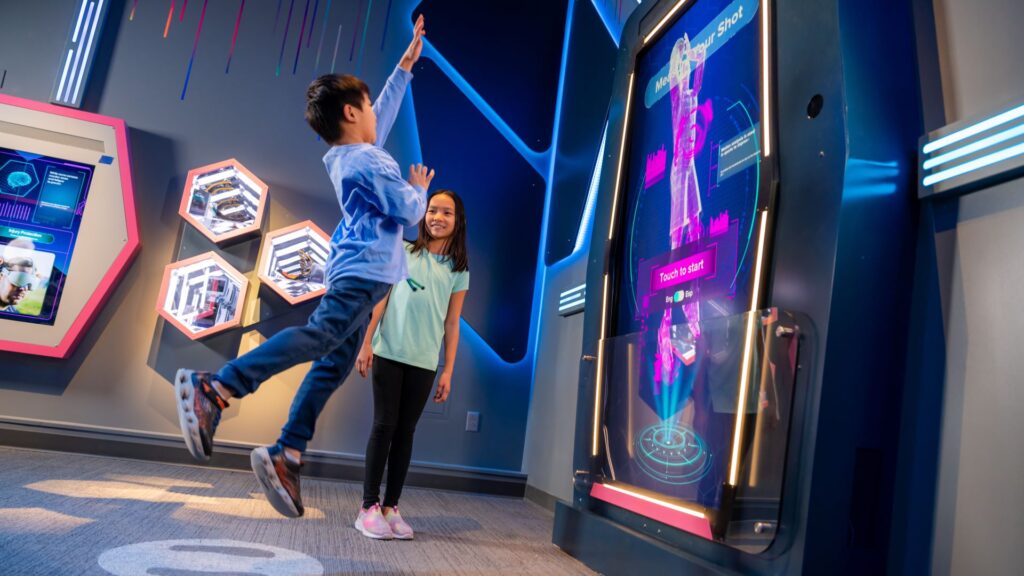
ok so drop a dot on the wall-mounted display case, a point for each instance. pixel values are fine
(224, 201)
(202, 295)
(293, 261)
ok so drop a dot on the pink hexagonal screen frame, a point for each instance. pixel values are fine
(124, 257)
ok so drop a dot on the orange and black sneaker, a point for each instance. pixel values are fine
(199, 408)
(279, 478)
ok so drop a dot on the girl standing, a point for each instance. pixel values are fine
(402, 343)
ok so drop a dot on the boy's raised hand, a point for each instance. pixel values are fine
(420, 176)
(412, 53)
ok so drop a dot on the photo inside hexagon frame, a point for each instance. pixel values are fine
(202, 295)
(224, 200)
(294, 260)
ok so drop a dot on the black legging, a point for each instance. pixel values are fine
(400, 392)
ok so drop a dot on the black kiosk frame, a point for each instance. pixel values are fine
(809, 281)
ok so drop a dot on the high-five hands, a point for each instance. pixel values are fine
(412, 53)
(420, 175)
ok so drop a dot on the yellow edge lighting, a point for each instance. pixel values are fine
(665, 19)
(604, 293)
(765, 82)
(600, 367)
(662, 503)
(622, 154)
(748, 341)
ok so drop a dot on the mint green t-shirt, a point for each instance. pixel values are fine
(412, 328)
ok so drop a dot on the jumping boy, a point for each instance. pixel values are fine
(366, 258)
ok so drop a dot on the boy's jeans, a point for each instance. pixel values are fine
(331, 338)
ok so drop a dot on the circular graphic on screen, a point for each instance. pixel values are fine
(672, 454)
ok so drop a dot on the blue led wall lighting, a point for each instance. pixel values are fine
(972, 154)
(79, 52)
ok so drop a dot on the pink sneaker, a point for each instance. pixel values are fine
(372, 523)
(399, 528)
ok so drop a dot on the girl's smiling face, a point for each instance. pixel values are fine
(440, 217)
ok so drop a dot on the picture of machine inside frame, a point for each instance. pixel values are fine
(202, 295)
(294, 262)
(224, 201)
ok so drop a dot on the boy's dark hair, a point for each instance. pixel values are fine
(455, 249)
(325, 101)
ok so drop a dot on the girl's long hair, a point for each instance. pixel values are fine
(455, 247)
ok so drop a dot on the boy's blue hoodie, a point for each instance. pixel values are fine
(376, 201)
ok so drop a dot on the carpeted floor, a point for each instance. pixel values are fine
(73, 514)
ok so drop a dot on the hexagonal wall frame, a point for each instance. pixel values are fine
(202, 295)
(108, 234)
(293, 261)
(224, 201)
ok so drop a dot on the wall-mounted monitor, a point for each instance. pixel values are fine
(67, 222)
(42, 200)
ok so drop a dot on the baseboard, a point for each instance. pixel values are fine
(541, 498)
(118, 444)
(610, 548)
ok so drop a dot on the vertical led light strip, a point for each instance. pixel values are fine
(78, 53)
(598, 385)
(234, 37)
(312, 24)
(664, 20)
(748, 345)
(336, 40)
(302, 33)
(78, 23)
(195, 46)
(64, 74)
(88, 49)
(362, 41)
(284, 40)
(748, 341)
(170, 16)
(66, 95)
(323, 33)
(766, 79)
(387, 20)
(355, 31)
(622, 154)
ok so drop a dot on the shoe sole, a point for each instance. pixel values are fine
(358, 526)
(185, 392)
(278, 497)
